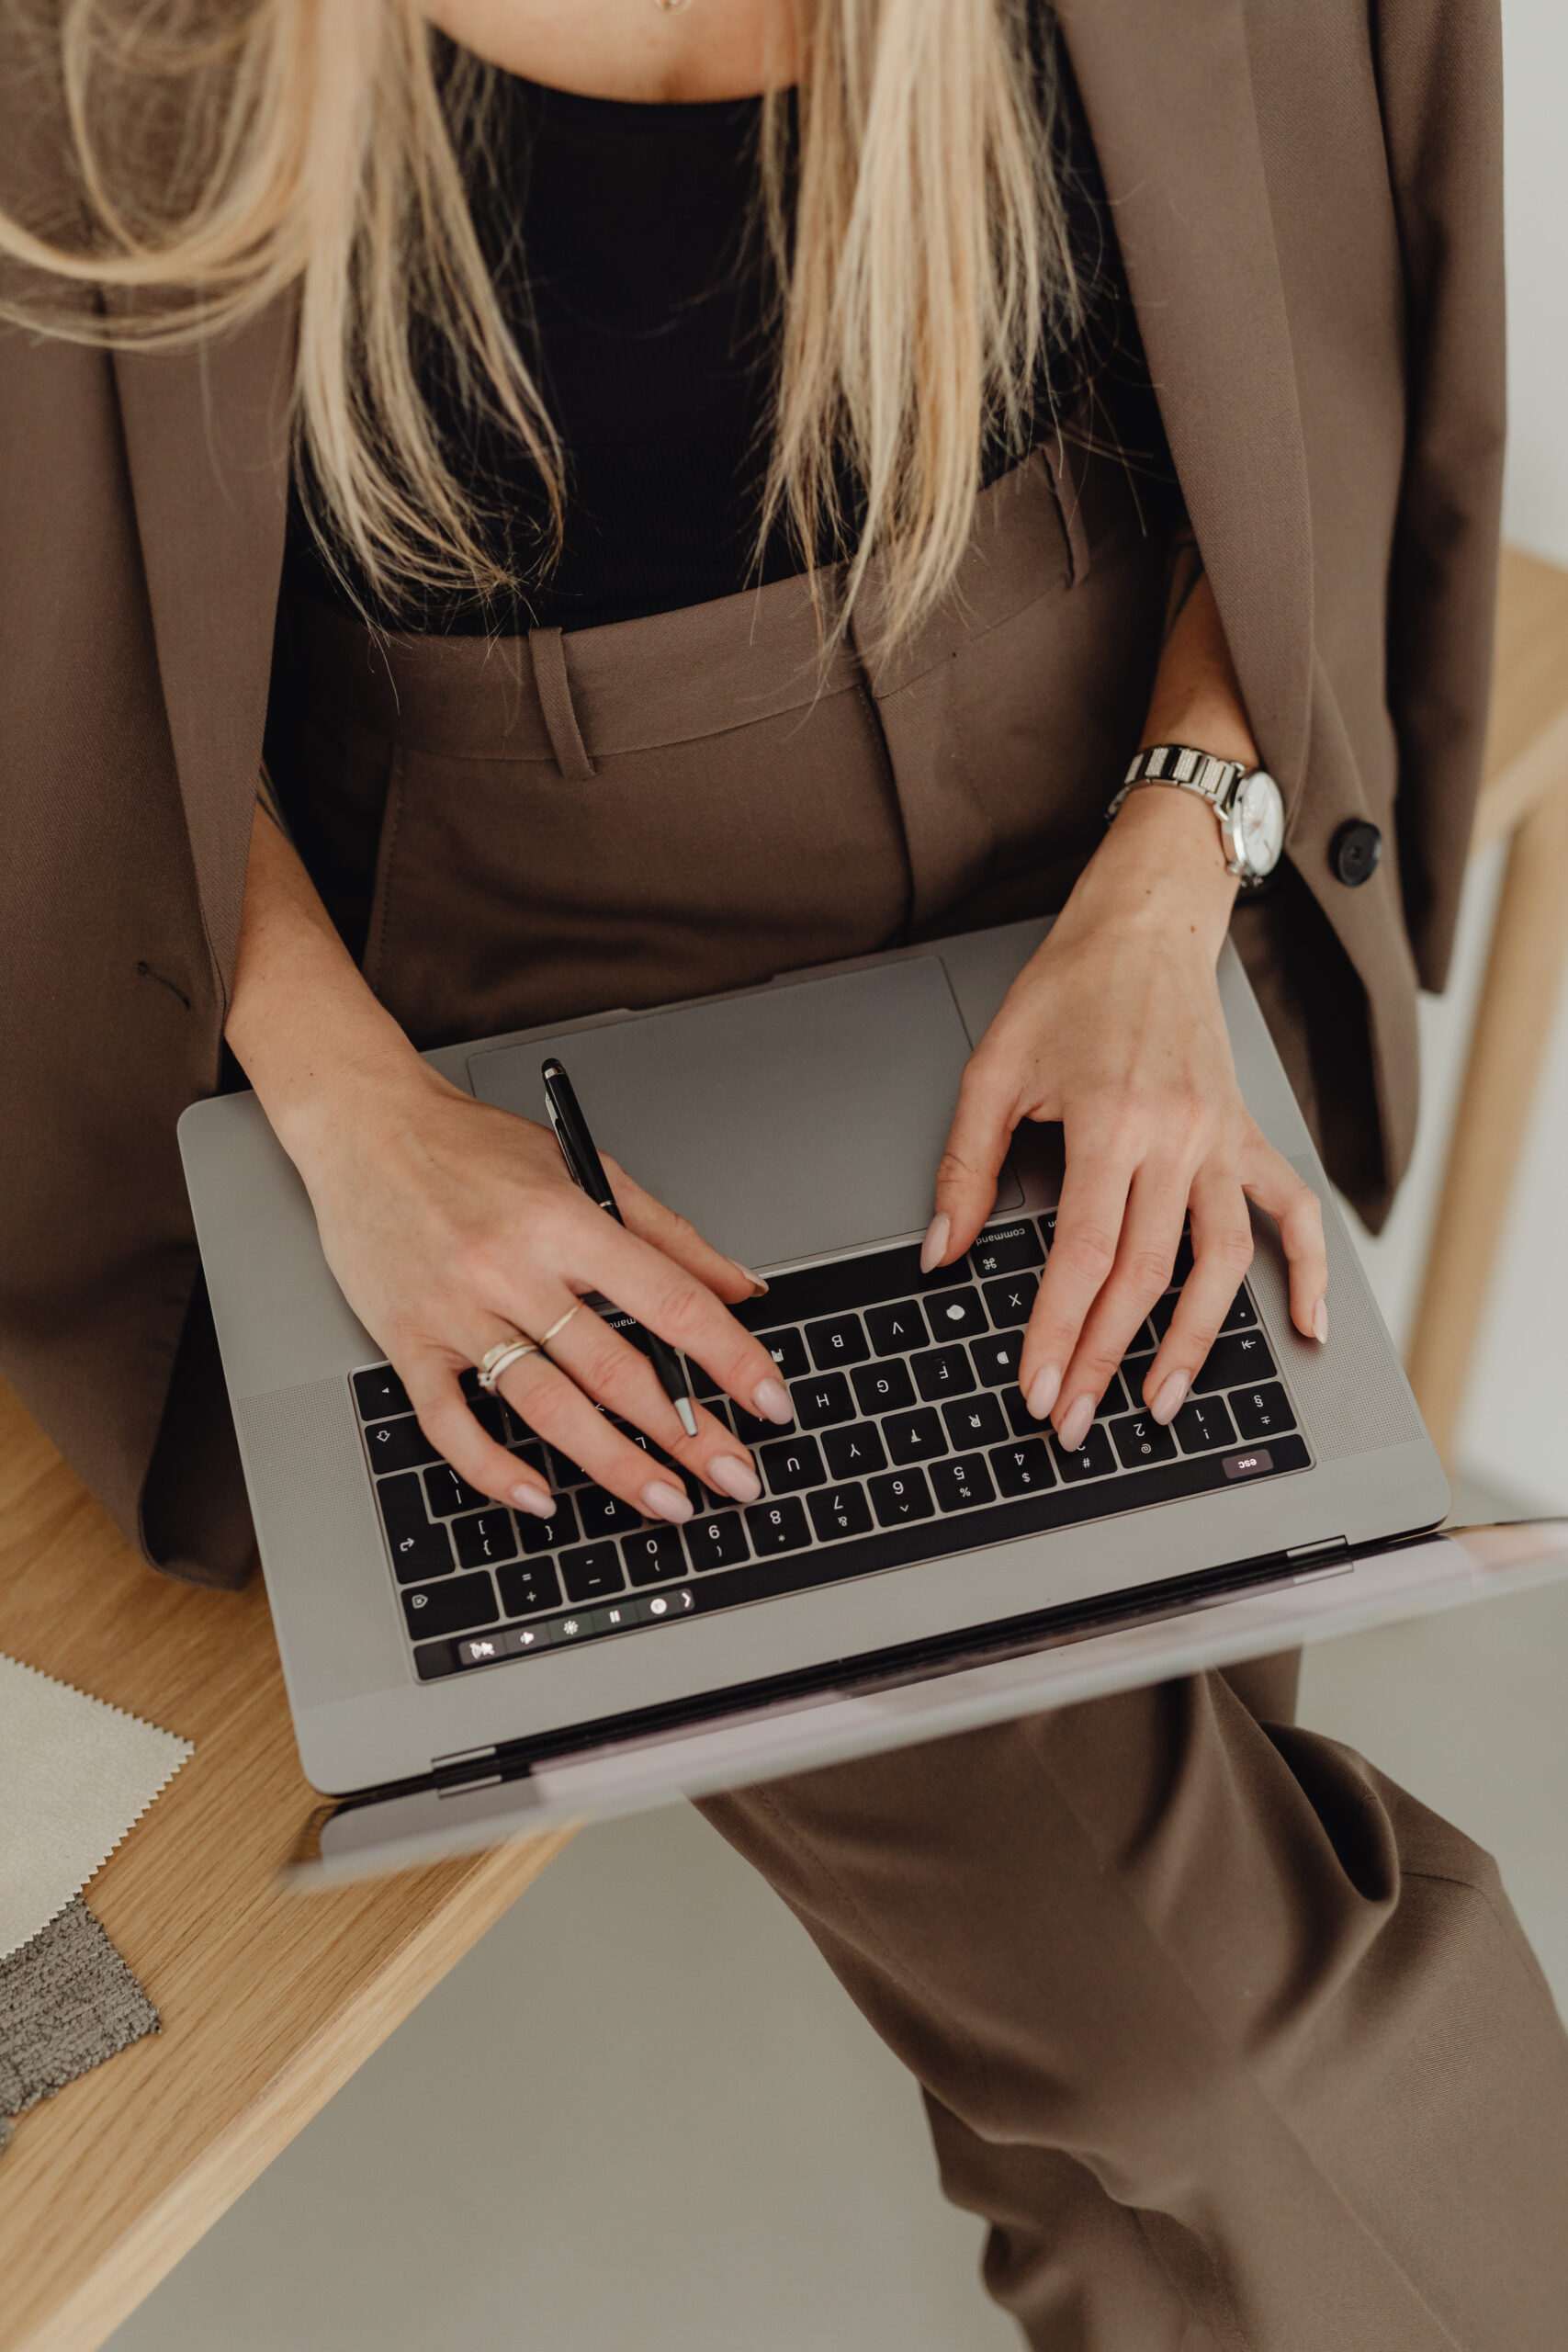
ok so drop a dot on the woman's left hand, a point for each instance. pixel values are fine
(1114, 1028)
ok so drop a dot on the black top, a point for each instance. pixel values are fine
(619, 238)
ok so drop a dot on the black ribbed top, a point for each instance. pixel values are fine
(624, 243)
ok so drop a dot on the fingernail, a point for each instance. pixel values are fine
(531, 1498)
(660, 1501)
(1075, 1421)
(1168, 1397)
(1320, 1322)
(732, 1475)
(758, 1287)
(935, 1242)
(1046, 1390)
(771, 1399)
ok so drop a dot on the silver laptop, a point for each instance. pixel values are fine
(925, 1556)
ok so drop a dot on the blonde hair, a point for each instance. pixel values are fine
(220, 155)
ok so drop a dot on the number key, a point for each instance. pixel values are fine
(716, 1542)
(963, 1485)
(901, 1498)
(839, 1511)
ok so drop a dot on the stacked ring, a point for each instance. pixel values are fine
(494, 1361)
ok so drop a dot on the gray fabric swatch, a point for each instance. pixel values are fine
(67, 2002)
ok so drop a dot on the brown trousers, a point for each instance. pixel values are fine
(1231, 2042)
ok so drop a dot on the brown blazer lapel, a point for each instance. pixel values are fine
(1168, 90)
(206, 438)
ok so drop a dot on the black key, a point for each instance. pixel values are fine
(1243, 1315)
(1010, 1304)
(1183, 1265)
(1019, 1419)
(957, 1315)
(914, 1437)
(1135, 1372)
(590, 1573)
(838, 1341)
(605, 1514)
(777, 1527)
(654, 1557)
(854, 1453)
(547, 1534)
(965, 1485)
(884, 1387)
(525, 1590)
(563, 1472)
(446, 1494)
(1262, 1412)
(380, 1394)
(819, 1290)
(895, 1329)
(787, 1350)
(1008, 1250)
(1240, 1357)
(1093, 1459)
(531, 1455)
(486, 1538)
(839, 1510)
(1114, 1400)
(436, 1658)
(704, 1386)
(469, 1382)
(820, 1402)
(450, 1608)
(716, 1542)
(978, 1420)
(903, 1496)
(943, 1371)
(480, 1648)
(996, 1359)
(399, 1445)
(749, 1429)
(1202, 1424)
(1161, 1313)
(493, 1418)
(1024, 1468)
(419, 1550)
(1140, 1439)
(792, 1464)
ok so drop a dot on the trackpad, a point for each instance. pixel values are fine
(788, 1124)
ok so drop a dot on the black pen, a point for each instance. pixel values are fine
(585, 1168)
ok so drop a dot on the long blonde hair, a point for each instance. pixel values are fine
(220, 153)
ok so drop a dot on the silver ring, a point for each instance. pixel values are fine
(558, 1325)
(494, 1361)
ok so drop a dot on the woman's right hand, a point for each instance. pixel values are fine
(450, 1226)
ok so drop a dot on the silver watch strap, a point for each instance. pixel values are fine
(1178, 764)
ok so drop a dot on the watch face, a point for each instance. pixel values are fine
(1260, 822)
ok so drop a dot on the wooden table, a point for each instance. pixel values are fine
(269, 2000)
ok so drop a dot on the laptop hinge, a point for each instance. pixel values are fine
(466, 1767)
(1315, 1551)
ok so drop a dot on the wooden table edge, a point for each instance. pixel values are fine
(166, 2230)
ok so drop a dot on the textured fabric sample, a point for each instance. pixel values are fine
(67, 2002)
(74, 1774)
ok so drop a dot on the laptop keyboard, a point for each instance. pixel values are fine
(911, 1441)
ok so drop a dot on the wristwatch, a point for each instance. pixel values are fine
(1246, 801)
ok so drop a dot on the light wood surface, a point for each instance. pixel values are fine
(269, 2000)
(1525, 797)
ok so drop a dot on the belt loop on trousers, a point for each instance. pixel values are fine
(554, 690)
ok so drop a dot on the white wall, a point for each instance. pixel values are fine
(1535, 35)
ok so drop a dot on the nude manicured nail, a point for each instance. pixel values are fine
(771, 1399)
(661, 1500)
(1169, 1395)
(1045, 1389)
(1075, 1421)
(935, 1242)
(530, 1499)
(758, 1287)
(730, 1476)
(1320, 1322)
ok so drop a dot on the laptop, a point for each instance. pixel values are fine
(925, 1556)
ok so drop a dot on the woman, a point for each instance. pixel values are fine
(754, 584)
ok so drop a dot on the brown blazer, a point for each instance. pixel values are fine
(1308, 206)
